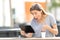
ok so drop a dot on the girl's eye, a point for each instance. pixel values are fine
(35, 13)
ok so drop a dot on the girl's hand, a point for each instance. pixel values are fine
(46, 27)
(22, 32)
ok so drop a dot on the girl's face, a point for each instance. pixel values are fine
(36, 14)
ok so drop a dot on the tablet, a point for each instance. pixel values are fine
(27, 28)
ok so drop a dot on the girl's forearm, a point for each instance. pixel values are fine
(54, 31)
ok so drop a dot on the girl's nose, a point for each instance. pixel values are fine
(35, 16)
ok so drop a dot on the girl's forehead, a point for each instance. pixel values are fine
(34, 11)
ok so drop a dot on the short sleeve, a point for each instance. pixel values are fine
(52, 20)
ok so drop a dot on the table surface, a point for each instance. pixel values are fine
(17, 38)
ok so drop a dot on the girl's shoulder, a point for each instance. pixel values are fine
(50, 15)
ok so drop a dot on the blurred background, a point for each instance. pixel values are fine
(15, 12)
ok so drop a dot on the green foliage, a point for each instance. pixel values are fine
(54, 4)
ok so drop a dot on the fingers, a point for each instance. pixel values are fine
(22, 33)
(44, 28)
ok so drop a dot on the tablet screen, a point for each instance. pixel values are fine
(27, 28)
